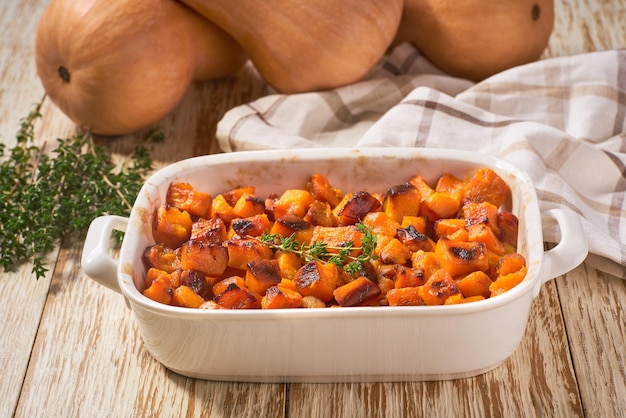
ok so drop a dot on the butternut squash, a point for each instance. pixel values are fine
(475, 39)
(115, 67)
(300, 45)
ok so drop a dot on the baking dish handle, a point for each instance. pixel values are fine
(96, 261)
(572, 248)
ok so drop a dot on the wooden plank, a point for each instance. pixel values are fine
(594, 310)
(89, 360)
(537, 380)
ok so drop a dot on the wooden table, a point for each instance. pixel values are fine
(69, 347)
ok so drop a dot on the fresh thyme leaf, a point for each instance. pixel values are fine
(45, 196)
(320, 251)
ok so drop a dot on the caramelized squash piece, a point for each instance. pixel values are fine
(405, 296)
(232, 196)
(486, 186)
(238, 297)
(289, 225)
(393, 252)
(261, 275)
(440, 205)
(338, 237)
(448, 227)
(508, 224)
(210, 259)
(278, 297)
(426, 261)
(483, 233)
(184, 296)
(212, 230)
(320, 213)
(509, 263)
(408, 276)
(420, 223)
(414, 240)
(220, 208)
(353, 208)
(160, 291)
(223, 284)
(321, 189)
(357, 292)
(381, 224)
(293, 202)
(161, 257)
(504, 283)
(248, 205)
(481, 213)
(474, 284)
(241, 251)
(288, 264)
(317, 279)
(253, 226)
(448, 183)
(171, 226)
(422, 185)
(438, 288)
(402, 200)
(184, 197)
(459, 258)
(172, 279)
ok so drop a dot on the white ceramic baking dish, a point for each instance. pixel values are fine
(331, 345)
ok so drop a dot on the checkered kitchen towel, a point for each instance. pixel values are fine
(562, 120)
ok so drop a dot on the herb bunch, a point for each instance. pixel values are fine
(45, 196)
(340, 256)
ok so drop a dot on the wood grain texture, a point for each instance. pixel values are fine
(69, 347)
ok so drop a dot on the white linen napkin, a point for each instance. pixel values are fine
(561, 120)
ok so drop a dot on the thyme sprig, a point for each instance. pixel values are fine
(340, 256)
(45, 196)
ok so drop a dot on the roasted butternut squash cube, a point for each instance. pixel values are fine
(509, 263)
(483, 233)
(474, 284)
(441, 205)
(506, 282)
(223, 284)
(508, 224)
(402, 200)
(414, 240)
(422, 185)
(293, 202)
(237, 297)
(449, 183)
(420, 223)
(393, 252)
(288, 264)
(278, 297)
(261, 275)
(381, 224)
(210, 259)
(289, 225)
(248, 205)
(210, 230)
(171, 226)
(353, 208)
(233, 195)
(357, 292)
(160, 291)
(486, 186)
(312, 302)
(426, 261)
(481, 213)
(253, 226)
(317, 279)
(322, 190)
(184, 197)
(194, 279)
(408, 276)
(458, 257)
(438, 288)
(241, 251)
(320, 213)
(161, 257)
(339, 237)
(184, 296)
(406, 296)
(172, 279)
(448, 227)
(220, 208)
